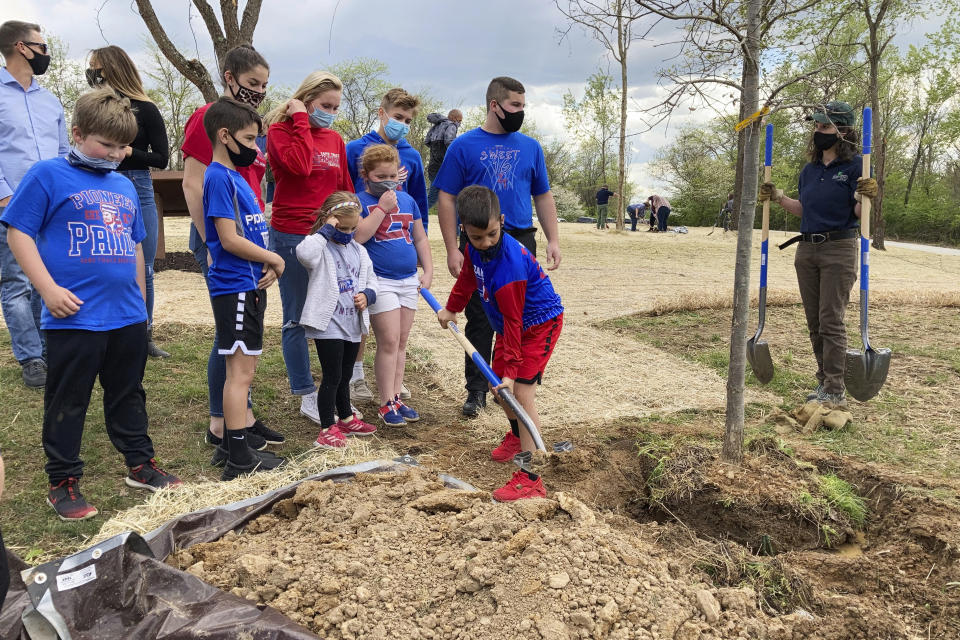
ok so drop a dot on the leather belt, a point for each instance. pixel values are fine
(820, 238)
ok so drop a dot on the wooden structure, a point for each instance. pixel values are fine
(168, 192)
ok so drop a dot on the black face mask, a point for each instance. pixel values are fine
(243, 158)
(511, 121)
(38, 63)
(94, 77)
(823, 141)
(486, 255)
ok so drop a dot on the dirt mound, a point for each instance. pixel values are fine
(393, 555)
(177, 260)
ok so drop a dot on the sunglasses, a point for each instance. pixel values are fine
(42, 45)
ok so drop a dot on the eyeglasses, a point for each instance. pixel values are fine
(42, 45)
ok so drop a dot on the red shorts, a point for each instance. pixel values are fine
(536, 347)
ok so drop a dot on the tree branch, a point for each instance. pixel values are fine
(193, 70)
(216, 33)
(248, 24)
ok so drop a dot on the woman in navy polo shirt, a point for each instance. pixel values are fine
(828, 205)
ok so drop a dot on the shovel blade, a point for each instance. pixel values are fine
(866, 371)
(758, 355)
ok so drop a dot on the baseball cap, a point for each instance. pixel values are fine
(837, 112)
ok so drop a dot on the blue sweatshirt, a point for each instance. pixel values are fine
(414, 184)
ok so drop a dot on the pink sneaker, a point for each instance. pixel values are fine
(331, 438)
(356, 427)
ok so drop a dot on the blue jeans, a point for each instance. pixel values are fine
(293, 293)
(662, 214)
(216, 363)
(148, 209)
(21, 306)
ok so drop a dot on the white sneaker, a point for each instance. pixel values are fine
(404, 392)
(360, 390)
(356, 413)
(308, 407)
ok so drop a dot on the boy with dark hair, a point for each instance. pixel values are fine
(240, 271)
(524, 310)
(75, 228)
(511, 164)
(603, 198)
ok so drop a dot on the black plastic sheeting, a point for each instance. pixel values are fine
(121, 588)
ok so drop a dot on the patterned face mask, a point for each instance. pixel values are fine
(248, 96)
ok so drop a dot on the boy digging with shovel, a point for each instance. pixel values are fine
(525, 312)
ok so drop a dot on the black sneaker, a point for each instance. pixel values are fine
(476, 400)
(35, 373)
(262, 461)
(269, 435)
(68, 502)
(256, 441)
(151, 477)
(220, 455)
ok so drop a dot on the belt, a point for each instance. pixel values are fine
(820, 238)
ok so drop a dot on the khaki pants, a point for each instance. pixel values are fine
(826, 272)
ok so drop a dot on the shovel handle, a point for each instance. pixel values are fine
(488, 373)
(865, 229)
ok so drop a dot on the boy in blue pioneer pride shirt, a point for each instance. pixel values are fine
(74, 226)
(240, 271)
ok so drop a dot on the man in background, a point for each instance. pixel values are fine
(438, 140)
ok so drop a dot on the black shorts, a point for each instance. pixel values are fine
(239, 320)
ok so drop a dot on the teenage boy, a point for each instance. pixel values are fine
(397, 110)
(75, 228)
(603, 199)
(496, 155)
(524, 310)
(240, 271)
(32, 128)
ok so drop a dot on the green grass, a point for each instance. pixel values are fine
(841, 495)
(177, 408)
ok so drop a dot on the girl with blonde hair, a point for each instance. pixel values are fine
(341, 285)
(309, 162)
(112, 67)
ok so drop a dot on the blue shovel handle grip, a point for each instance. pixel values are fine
(432, 301)
(867, 129)
(768, 148)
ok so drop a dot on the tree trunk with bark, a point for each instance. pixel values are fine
(621, 161)
(736, 373)
(234, 32)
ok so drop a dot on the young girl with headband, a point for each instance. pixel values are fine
(341, 285)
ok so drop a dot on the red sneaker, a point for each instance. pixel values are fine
(356, 427)
(331, 438)
(520, 487)
(509, 447)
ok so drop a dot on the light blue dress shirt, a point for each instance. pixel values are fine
(32, 128)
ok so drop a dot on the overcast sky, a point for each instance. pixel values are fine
(451, 47)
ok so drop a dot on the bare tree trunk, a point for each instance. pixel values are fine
(621, 178)
(234, 33)
(875, 52)
(916, 161)
(736, 373)
(738, 179)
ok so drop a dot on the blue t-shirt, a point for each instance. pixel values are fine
(826, 193)
(229, 273)
(514, 265)
(391, 248)
(511, 164)
(87, 226)
(411, 170)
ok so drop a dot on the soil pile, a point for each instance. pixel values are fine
(400, 555)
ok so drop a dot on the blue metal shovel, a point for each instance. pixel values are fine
(758, 351)
(866, 370)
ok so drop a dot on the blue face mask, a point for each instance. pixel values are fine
(101, 165)
(321, 119)
(340, 237)
(395, 129)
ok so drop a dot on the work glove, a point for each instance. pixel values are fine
(769, 191)
(866, 187)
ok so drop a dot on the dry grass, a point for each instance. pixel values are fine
(167, 504)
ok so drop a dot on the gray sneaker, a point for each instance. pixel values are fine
(835, 399)
(35, 373)
(815, 393)
(360, 391)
